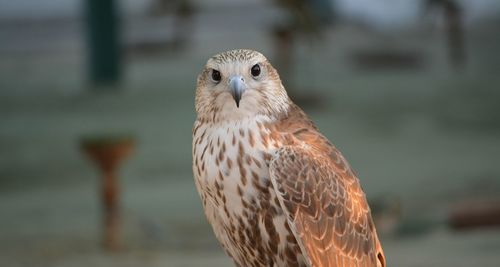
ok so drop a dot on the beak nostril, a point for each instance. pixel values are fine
(234, 79)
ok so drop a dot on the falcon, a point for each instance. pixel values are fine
(275, 191)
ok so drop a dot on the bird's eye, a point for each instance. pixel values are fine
(255, 70)
(216, 77)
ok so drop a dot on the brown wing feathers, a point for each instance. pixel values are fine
(325, 204)
(329, 215)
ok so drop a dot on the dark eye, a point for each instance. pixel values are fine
(255, 70)
(216, 77)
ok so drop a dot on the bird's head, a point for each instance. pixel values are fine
(239, 84)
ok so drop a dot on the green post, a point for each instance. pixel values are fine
(104, 55)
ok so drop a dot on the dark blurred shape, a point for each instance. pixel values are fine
(108, 152)
(305, 18)
(103, 42)
(175, 36)
(183, 12)
(453, 16)
(283, 51)
(388, 59)
(309, 16)
(475, 213)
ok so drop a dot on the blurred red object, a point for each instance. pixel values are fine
(108, 152)
(475, 213)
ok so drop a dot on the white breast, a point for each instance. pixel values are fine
(216, 149)
(228, 160)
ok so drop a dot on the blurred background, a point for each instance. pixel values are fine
(408, 90)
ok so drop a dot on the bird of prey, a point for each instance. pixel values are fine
(274, 189)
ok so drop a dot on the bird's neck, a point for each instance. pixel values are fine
(236, 122)
(245, 114)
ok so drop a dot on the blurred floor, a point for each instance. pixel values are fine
(429, 136)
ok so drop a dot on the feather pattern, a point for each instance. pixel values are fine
(274, 189)
(325, 205)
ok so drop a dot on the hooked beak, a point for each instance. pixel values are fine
(237, 87)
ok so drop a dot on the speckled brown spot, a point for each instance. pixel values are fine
(202, 136)
(195, 129)
(264, 139)
(203, 154)
(248, 160)
(243, 175)
(251, 141)
(255, 176)
(274, 237)
(257, 162)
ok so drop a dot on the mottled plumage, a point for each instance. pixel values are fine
(274, 189)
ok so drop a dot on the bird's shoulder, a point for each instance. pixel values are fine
(298, 130)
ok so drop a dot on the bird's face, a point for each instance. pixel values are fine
(237, 84)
